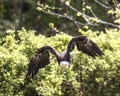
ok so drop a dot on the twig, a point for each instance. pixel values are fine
(102, 4)
(64, 16)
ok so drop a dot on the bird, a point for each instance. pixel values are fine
(41, 57)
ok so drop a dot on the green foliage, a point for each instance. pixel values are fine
(115, 12)
(85, 76)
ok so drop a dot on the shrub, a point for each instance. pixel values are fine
(85, 77)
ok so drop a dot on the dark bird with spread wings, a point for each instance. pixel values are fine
(41, 58)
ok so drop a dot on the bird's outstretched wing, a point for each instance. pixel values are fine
(85, 45)
(39, 60)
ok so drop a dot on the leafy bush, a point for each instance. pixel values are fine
(85, 77)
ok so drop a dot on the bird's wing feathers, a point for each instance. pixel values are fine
(87, 46)
(33, 66)
(39, 60)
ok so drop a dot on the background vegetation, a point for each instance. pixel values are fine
(24, 29)
(85, 76)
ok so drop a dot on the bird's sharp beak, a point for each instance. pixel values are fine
(64, 64)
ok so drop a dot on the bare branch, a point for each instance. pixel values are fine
(64, 16)
(87, 17)
(90, 20)
(107, 7)
(108, 23)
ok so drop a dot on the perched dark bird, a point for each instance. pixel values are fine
(41, 58)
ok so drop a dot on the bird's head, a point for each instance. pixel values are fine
(64, 64)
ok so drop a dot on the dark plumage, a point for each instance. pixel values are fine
(41, 58)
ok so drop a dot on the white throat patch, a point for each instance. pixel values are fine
(64, 64)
